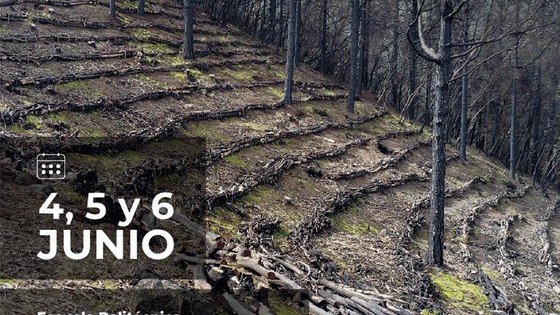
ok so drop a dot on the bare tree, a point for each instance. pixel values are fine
(442, 58)
(355, 25)
(290, 54)
(188, 35)
(112, 8)
(141, 5)
(324, 14)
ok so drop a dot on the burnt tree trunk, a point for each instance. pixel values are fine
(288, 82)
(355, 24)
(465, 94)
(324, 11)
(188, 35)
(443, 75)
(112, 8)
(141, 5)
(412, 70)
(299, 33)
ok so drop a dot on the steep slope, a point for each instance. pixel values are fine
(349, 192)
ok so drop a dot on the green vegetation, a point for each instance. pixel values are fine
(33, 121)
(236, 160)
(71, 86)
(276, 91)
(141, 33)
(240, 73)
(460, 294)
(279, 305)
(428, 312)
(355, 228)
(260, 195)
(156, 48)
(221, 220)
(152, 81)
(492, 274)
(257, 126)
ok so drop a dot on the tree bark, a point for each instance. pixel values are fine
(290, 53)
(112, 8)
(299, 33)
(413, 65)
(272, 21)
(465, 94)
(395, 87)
(141, 5)
(188, 36)
(324, 12)
(513, 131)
(443, 75)
(355, 24)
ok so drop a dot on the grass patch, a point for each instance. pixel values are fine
(492, 274)
(240, 73)
(71, 86)
(280, 305)
(460, 294)
(221, 220)
(281, 237)
(152, 81)
(73, 197)
(260, 195)
(33, 121)
(276, 91)
(236, 160)
(157, 48)
(141, 33)
(355, 228)
(207, 131)
(253, 125)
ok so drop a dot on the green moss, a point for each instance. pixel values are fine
(355, 228)
(240, 73)
(196, 74)
(253, 125)
(141, 33)
(3, 29)
(157, 48)
(8, 281)
(460, 294)
(236, 160)
(428, 312)
(281, 237)
(177, 61)
(326, 92)
(280, 305)
(71, 86)
(221, 220)
(276, 91)
(260, 195)
(33, 121)
(123, 19)
(72, 196)
(492, 274)
(152, 81)
(178, 75)
(208, 131)
(17, 129)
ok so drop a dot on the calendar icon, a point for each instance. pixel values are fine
(51, 166)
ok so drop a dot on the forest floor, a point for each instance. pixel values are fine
(347, 194)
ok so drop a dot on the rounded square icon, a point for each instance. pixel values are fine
(51, 166)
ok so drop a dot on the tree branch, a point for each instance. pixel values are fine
(424, 51)
(452, 14)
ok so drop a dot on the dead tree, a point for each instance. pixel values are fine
(290, 54)
(188, 35)
(355, 25)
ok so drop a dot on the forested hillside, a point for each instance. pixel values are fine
(313, 201)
